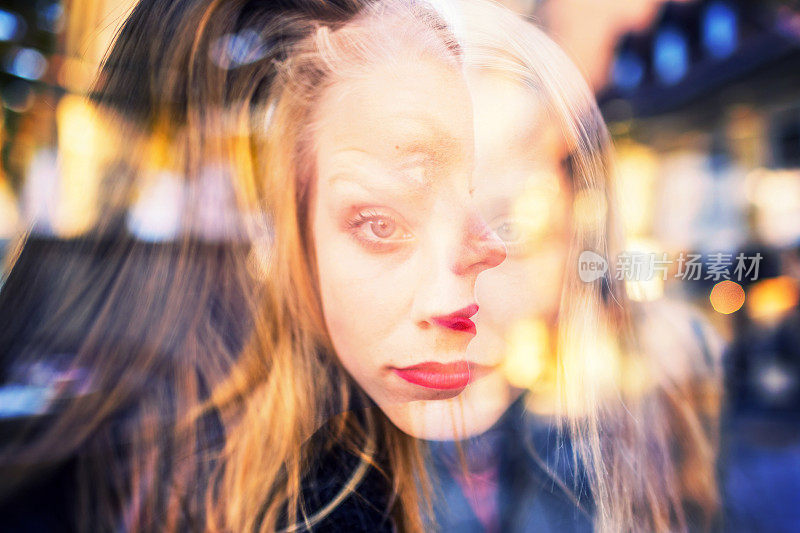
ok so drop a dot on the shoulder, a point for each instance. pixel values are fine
(344, 492)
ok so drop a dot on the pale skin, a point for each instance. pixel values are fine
(405, 217)
(398, 237)
(522, 192)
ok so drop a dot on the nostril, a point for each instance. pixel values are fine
(496, 251)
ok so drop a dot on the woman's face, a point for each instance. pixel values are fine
(398, 239)
(521, 190)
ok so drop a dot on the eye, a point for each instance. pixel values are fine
(517, 233)
(509, 231)
(378, 229)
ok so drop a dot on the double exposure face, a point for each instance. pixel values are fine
(398, 239)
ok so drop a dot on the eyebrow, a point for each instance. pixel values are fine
(430, 139)
(419, 143)
(369, 166)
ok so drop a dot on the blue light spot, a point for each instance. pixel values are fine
(27, 63)
(9, 25)
(720, 30)
(50, 17)
(21, 400)
(628, 70)
(237, 49)
(671, 55)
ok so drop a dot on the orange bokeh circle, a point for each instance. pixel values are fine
(727, 297)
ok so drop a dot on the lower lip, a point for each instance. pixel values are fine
(438, 376)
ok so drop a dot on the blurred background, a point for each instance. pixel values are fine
(702, 98)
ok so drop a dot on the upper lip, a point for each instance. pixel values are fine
(458, 320)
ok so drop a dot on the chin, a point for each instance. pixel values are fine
(471, 412)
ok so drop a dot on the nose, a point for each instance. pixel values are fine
(481, 248)
(454, 260)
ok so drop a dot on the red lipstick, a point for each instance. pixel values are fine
(442, 376)
(459, 320)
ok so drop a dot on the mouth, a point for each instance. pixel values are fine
(440, 376)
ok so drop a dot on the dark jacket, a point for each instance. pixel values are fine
(532, 497)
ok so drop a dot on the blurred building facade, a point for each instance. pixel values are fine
(704, 105)
(705, 109)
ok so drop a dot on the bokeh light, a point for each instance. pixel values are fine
(772, 298)
(528, 346)
(727, 297)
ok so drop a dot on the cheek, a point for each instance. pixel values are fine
(365, 297)
(517, 291)
(523, 288)
(529, 286)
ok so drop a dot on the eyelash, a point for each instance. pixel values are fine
(364, 217)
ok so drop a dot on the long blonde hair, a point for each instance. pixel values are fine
(645, 444)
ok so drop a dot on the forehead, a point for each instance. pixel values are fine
(508, 114)
(411, 107)
(517, 140)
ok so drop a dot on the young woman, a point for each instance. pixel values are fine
(345, 132)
